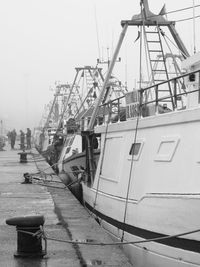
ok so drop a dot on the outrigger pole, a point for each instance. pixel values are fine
(66, 103)
(110, 69)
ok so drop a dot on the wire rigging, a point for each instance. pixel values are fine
(170, 12)
(178, 10)
(180, 20)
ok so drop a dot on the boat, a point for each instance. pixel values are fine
(145, 190)
(72, 160)
(47, 132)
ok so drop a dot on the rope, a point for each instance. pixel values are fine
(130, 174)
(41, 234)
(43, 171)
(101, 165)
(38, 234)
(31, 178)
(135, 135)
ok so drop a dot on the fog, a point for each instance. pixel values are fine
(42, 41)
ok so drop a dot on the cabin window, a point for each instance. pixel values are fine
(192, 77)
(135, 148)
(167, 148)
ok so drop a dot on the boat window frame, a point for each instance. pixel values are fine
(136, 157)
(167, 157)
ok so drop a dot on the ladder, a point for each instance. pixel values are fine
(157, 62)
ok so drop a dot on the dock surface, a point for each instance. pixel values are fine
(65, 218)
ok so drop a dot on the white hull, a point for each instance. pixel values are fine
(74, 166)
(164, 190)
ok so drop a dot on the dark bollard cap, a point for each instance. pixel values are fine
(26, 221)
(22, 153)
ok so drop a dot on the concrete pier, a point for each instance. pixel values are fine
(65, 218)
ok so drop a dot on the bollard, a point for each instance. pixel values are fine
(23, 157)
(27, 178)
(27, 244)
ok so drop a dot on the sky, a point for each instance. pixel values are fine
(42, 41)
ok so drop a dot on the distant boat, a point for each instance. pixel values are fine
(146, 185)
(72, 161)
(88, 81)
(44, 135)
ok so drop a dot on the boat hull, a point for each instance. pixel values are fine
(75, 165)
(153, 193)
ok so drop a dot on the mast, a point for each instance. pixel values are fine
(66, 103)
(110, 69)
(89, 72)
(51, 109)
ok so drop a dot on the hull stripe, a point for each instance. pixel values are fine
(181, 243)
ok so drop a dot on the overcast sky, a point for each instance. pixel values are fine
(42, 41)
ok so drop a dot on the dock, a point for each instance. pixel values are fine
(65, 218)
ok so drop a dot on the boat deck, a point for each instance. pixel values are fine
(65, 218)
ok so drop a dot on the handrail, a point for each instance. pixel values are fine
(155, 100)
(172, 79)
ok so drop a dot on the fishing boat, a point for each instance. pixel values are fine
(145, 190)
(72, 160)
(87, 81)
(45, 134)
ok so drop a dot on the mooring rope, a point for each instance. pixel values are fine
(38, 234)
(42, 234)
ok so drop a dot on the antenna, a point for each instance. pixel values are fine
(97, 32)
(102, 61)
(194, 28)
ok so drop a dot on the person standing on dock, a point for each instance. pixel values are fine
(2, 143)
(22, 140)
(9, 137)
(28, 138)
(13, 135)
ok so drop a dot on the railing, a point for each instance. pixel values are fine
(154, 97)
(176, 96)
(111, 111)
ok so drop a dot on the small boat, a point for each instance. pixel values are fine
(145, 190)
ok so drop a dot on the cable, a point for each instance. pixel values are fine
(101, 163)
(40, 233)
(170, 12)
(178, 10)
(180, 20)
